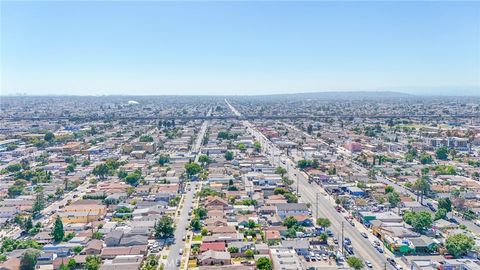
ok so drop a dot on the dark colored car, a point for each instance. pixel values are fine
(453, 220)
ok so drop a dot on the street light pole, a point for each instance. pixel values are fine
(343, 241)
(297, 183)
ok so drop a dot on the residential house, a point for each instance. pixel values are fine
(212, 257)
(292, 209)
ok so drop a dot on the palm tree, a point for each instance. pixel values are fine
(421, 186)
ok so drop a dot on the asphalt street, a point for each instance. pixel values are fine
(181, 223)
(362, 247)
(181, 220)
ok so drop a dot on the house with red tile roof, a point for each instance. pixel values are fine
(216, 246)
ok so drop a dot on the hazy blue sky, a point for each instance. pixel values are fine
(237, 47)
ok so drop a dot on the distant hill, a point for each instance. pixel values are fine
(342, 95)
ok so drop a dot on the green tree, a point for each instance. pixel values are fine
(355, 263)
(241, 147)
(68, 237)
(195, 224)
(459, 244)
(389, 189)
(233, 249)
(133, 177)
(59, 192)
(92, 262)
(290, 222)
(323, 222)
(122, 174)
(163, 159)
(280, 170)
(422, 221)
(425, 158)
(151, 263)
(323, 237)
(101, 171)
(29, 260)
(146, 138)
(192, 168)
(229, 155)
(251, 224)
(86, 162)
(14, 167)
(286, 181)
(204, 160)
(49, 136)
(442, 153)
(302, 164)
(445, 203)
(71, 263)
(422, 186)
(164, 227)
(291, 198)
(97, 235)
(441, 214)
(249, 253)
(408, 217)
(17, 188)
(38, 204)
(257, 146)
(310, 129)
(200, 212)
(27, 224)
(393, 198)
(77, 249)
(58, 233)
(264, 263)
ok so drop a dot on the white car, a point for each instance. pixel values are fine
(368, 264)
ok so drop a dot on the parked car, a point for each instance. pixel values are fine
(430, 205)
(348, 241)
(453, 220)
(351, 222)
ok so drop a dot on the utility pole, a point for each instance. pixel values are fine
(297, 183)
(343, 241)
